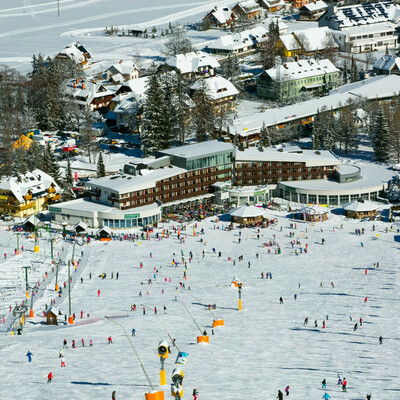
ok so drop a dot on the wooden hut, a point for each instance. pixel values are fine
(360, 209)
(314, 213)
(104, 234)
(51, 316)
(80, 228)
(30, 223)
(247, 215)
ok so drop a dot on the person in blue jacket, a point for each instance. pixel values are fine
(29, 355)
(326, 396)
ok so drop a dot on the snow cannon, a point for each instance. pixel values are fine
(163, 349)
(235, 282)
(155, 395)
(176, 391)
(163, 352)
(177, 375)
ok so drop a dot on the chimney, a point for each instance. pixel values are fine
(83, 86)
(74, 85)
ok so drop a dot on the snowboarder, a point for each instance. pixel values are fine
(324, 384)
(280, 395)
(49, 377)
(62, 362)
(326, 396)
(29, 355)
(287, 390)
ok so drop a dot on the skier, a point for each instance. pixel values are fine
(355, 326)
(326, 396)
(340, 380)
(380, 340)
(62, 362)
(49, 377)
(280, 395)
(91, 343)
(281, 300)
(98, 293)
(65, 344)
(369, 396)
(315, 324)
(344, 385)
(110, 340)
(133, 331)
(73, 344)
(195, 393)
(113, 395)
(29, 355)
(324, 384)
(83, 342)
(287, 390)
(306, 321)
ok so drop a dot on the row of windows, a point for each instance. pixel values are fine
(370, 36)
(325, 199)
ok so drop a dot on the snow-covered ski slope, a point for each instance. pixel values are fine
(30, 27)
(260, 349)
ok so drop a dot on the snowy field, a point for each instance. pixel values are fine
(261, 349)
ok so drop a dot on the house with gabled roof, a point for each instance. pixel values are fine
(271, 5)
(241, 42)
(220, 17)
(315, 40)
(192, 65)
(363, 27)
(28, 193)
(293, 78)
(222, 92)
(312, 11)
(248, 9)
(75, 52)
(122, 72)
(89, 93)
(387, 65)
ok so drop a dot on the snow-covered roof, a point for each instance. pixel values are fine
(290, 42)
(37, 182)
(123, 68)
(386, 63)
(138, 86)
(378, 87)
(84, 92)
(201, 149)
(52, 309)
(32, 220)
(314, 209)
(221, 14)
(314, 39)
(80, 224)
(247, 212)
(360, 206)
(240, 40)
(218, 87)
(248, 6)
(367, 13)
(76, 52)
(309, 157)
(128, 183)
(315, 6)
(368, 29)
(105, 229)
(191, 62)
(302, 69)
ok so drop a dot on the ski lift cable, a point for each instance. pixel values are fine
(200, 303)
(133, 347)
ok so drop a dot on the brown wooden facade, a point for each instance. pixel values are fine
(272, 172)
(188, 184)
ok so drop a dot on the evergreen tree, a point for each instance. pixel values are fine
(231, 70)
(154, 124)
(101, 168)
(203, 113)
(316, 135)
(381, 141)
(330, 132)
(265, 137)
(180, 105)
(50, 165)
(68, 179)
(354, 76)
(347, 132)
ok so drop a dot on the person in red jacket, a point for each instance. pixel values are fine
(49, 377)
(344, 384)
(110, 340)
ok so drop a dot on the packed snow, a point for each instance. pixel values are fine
(261, 349)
